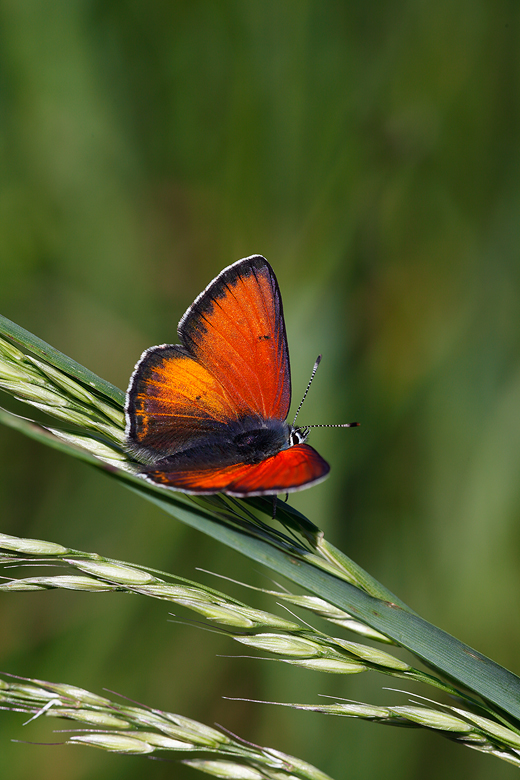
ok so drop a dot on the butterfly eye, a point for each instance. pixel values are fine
(298, 436)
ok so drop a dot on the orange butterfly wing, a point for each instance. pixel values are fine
(172, 403)
(208, 415)
(291, 469)
(232, 363)
(236, 330)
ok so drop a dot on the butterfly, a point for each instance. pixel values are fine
(208, 415)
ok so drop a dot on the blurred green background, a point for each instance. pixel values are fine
(371, 152)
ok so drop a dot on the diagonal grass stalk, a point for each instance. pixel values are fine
(137, 730)
(134, 729)
(92, 409)
(462, 726)
(295, 642)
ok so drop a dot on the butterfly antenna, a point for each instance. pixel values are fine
(316, 364)
(326, 425)
(334, 425)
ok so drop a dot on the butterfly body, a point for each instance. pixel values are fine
(209, 415)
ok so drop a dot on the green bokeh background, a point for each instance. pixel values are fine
(371, 152)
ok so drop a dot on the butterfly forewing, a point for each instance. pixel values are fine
(173, 402)
(235, 329)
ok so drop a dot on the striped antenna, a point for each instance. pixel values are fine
(334, 425)
(318, 361)
(325, 425)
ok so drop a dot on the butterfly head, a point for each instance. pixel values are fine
(298, 435)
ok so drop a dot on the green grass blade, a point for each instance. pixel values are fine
(435, 647)
(39, 348)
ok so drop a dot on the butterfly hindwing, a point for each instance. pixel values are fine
(289, 470)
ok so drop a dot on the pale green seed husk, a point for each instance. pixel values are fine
(161, 741)
(282, 645)
(184, 735)
(95, 718)
(31, 692)
(225, 615)
(373, 655)
(75, 417)
(116, 415)
(330, 665)
(93, 446)
(493, 729)
(354, 710)
(261, 618)
(334, 615)
(63, 581)
(9, 351)
(362, 629)
(315, 604)
(126, 575)
(17, 373)
(225, 769)
(432, 718)
(37, 395)
(206, 732)
(33, 546)
(175, 592)
(63, 381)
(291, 762)
(79, 694)
(114, 743)
(330, 566)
